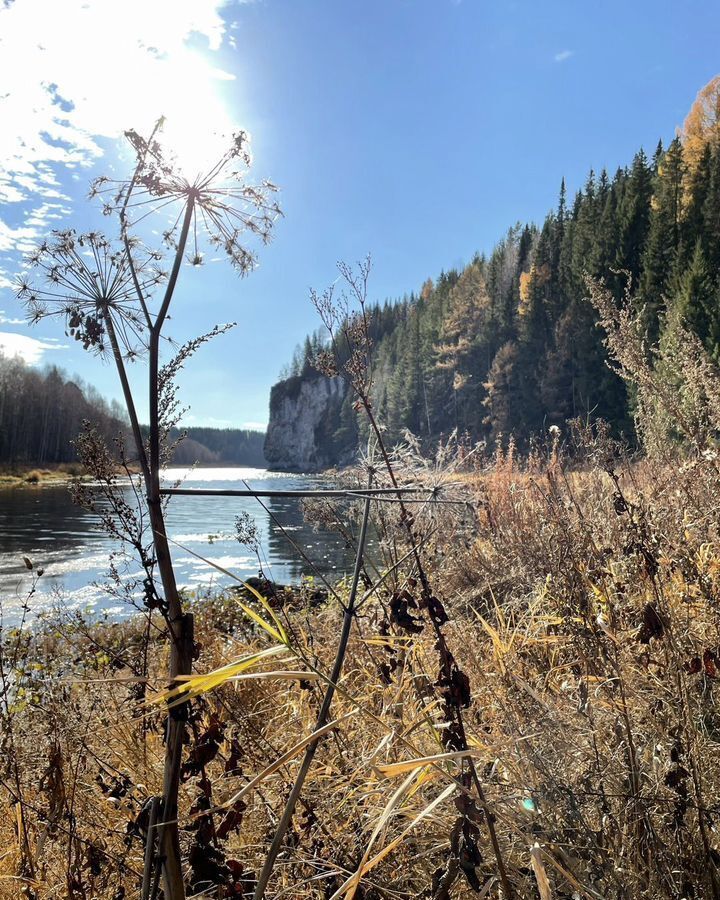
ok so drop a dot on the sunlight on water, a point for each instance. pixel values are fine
(221, 475)
(66, 543)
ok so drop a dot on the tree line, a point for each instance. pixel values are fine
(42, 412)
(218, 446)
(509, 344)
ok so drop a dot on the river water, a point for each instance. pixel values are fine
(42, 524)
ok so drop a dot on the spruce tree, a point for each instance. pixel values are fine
(697, 299)
(698, 188)
(664, 236)
(634, 215)
(711, 214)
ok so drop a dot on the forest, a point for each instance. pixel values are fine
(42, 413)
(509, 345)
(217, 446)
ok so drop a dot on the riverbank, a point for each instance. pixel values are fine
(580, 615)
(31, 474)
(35, 474)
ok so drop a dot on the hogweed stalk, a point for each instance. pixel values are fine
(105, 293)
(346, 320)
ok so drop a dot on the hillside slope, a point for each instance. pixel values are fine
(509, 344)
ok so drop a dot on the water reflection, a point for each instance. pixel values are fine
(43, 524)
(33, 518)
(325, 549)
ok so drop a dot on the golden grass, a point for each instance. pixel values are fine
(584, 611)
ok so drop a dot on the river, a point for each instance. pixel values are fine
(65, 541)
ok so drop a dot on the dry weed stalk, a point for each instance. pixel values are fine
(347, 324)
(106, 301)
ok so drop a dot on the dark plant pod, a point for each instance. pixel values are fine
(453, 683)
(652, 625)
(204, 751)
(399, 611)
(436, 611)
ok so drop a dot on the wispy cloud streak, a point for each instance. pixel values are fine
(75, 72)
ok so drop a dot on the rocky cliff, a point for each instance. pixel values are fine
(305, 416)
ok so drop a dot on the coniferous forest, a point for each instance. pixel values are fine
(217, 446)
(509, 344)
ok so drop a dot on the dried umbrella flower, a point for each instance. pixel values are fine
(224, 207)
(87, 282)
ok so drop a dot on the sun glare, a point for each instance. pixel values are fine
(197, 124)
(195, 148)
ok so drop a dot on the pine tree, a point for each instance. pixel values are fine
(698, 188)
(463, 348)
(607, 232)
(634, 216)
(307, 358)
(503, 393)
(697, 299)
(345, 437)
(711, 215)
(664, 236)
(584, 239)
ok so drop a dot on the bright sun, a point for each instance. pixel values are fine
(198, 124)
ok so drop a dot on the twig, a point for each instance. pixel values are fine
(322, 715)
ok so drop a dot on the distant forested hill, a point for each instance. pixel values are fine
(220, 446)
(509, 344)
(42, 411)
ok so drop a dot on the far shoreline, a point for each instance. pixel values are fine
(36, 474)
(30, 475)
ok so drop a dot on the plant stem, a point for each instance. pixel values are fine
(323, 715)
(129, 400)
(442, 645)
(179, 624)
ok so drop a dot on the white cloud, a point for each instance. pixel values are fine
(27, 348)
(4, 320)
(12, 238)
(73, 72)
(255, 426)
(563, 55)
(190, 420)
(24, 238)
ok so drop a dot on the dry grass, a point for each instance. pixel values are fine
(584, 609)
(14, 476)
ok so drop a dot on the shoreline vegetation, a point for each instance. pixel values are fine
(515, 693)
(581, 604)
(32, 474)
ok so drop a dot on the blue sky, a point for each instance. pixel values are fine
(415, 130)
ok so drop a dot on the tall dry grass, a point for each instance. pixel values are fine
(584, 609)
(572, 636)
